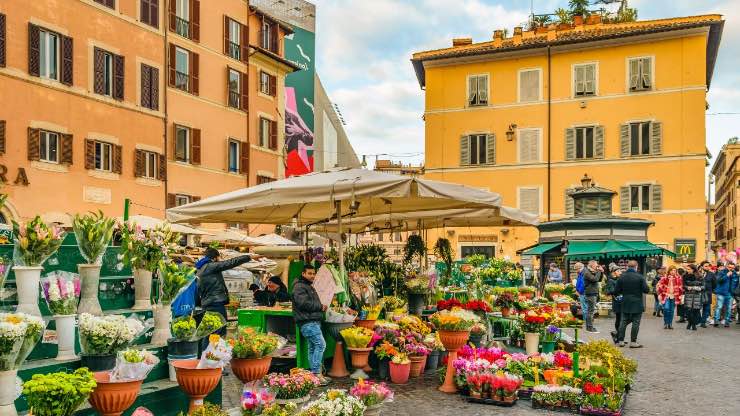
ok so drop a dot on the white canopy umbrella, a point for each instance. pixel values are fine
(273, 240)
(148, 223)
(231, 236)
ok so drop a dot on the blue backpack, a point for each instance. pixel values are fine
(185, 302)
(580, 283)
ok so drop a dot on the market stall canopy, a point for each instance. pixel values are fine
(231, 236)
(311, 199)
(584, 250)
(148, 223)
(273, 240)
(409, 221)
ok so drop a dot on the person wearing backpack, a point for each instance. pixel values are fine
(592, 275)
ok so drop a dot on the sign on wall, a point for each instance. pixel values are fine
(299, 103)
(685, 249)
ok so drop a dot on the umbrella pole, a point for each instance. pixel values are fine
(341, 246)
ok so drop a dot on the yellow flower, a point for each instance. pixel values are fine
(214, 338)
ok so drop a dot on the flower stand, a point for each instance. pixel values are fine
(162, 320)
(531, 342)
(196, 383)
(452, 341)
(65, 327)
(142, 289)
(399, 372)
(248, 370)
(8, 393)
(89, 282)
(360, 358)
(27, 281)
(113, 398)
(366, 323)
(338, 363)
(417, 362)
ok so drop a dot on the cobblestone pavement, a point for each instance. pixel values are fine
(680, 372)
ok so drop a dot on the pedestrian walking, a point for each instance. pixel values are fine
(670, 293)
(554, 275)
(610, 288)
(657, 307)
(710, 282)
(308, 312)
(693, 286)
(633, 287)
(592, 275)
(680, 311)
(727, 280)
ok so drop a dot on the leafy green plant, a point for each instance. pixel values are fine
(35, 241)
(93, 232)
(578, 7)
(443, 250)
(208, 409)
(58, 394)
(541, 20)
(183, 328)
(249, 344)
(603, 351)
(144, 249)
(173, 278)
(476, 260)
(415, 246)
(563, 16)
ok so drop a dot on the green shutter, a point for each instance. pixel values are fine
(599, 142)
(647, 73)
(656, 193)
(579, 80)
(634, 75)
(483, 89)
(464, 150)
(569, 201)
(589, 79)
(656, 138)
(491, 149)
(624, 199)
(472, 89)
(570, 144)
(624, 140)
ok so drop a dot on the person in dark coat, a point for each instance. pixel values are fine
(308, 312)
(633, 287)
(693, 287)
(591, 277)
(611, 284)
(710, 282)
(275, 292)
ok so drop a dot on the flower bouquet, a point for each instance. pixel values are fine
(334, 403)
(93, 232)
(553, 290)
(35, 241)
(413, 323)
(448, 304)
(183, 328)
(174, 279)
(254, 402)
(455, 319)
(393, 304)
(371, 394)
(294, 386)
(211, 322)
(133, 364)
(103, 335)
(357, 337)
(61, 290)
(217, 354)
(58, 394)
(371, 313)
(19, 333)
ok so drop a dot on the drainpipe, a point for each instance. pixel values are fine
(549, 135)
(165, 121)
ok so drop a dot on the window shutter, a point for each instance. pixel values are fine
(67, 143)
(472, 89)
(634, 73)
(89, 154)
(656, 138)
(245, 43)
(589, 86)
(171, 198)
(656, 194)
(33, 144)
(195, 20)
(244, 158)
(194, 73)
(144, 11)
(529, 142)
(624, 140)
(154, 89)
(273, 135)
(173, 15)
(2, 137)
(173, 62)
(491, 149)
(274, 37)
(146, 90)
(624, 199)
(2, 40)
(464, 150)
(483, 89)
(195, 147)
(599, 142)
(161, 168)
(529, 200)
(139, 163)
(529, 85)
(244, 83)
(67, 69)
(117, 158)
(647, 73)
(33, 50)
(579, 78)
(98, 71)
(118, 74)
(569, 203)
(570, 144)
(272, 87)
(227, 33)
(154, 13)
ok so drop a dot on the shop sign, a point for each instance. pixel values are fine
(20, 178)
(478, 238)
(685, 249)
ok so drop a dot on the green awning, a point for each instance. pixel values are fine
(585, 249)
(539, 249)
(613, 249)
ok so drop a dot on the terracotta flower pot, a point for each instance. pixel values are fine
(416, 365)
(247, 370)
(454, 340)
(113, 398)
(399, 372)
(196, 383)
(365, 323)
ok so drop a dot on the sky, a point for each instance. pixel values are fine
(364, 50)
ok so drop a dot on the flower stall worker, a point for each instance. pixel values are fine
(727, 280)
(611, 285)
(633, 287)
(554, 275)
(274, 292)
(308, 312)
(670, 293)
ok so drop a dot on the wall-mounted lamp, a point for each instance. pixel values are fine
(564, 247)
(510, 132)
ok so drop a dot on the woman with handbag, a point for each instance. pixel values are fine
(693, 287)
(670, 294)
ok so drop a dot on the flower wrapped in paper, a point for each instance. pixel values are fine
(61, 290)
(211, 322)
(133, 364)
(183, 328)
(35, 241)
(13, 331)
(102, 335)
(6, 263)
(217, 354)
(34, 329)
(93, 232)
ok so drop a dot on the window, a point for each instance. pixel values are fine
(181, 200)
(149, 87)
(182, 18)
(234, 38)
(529, 145)
(529, 85)
(3, 37)
(48, 55)
(268, 133)
(268, 83)
(264, 179)
(584, 142)
(147, 165)
(639, 139)
(150, 165)
(48, 147)
(103, 156)
(529, 200)
(268, 36)
(398, 237)
(107, 73)
(640, 74)
(477, 149)
(584, 80)
(182, 144)
(107, 3)
(234, 88)
(639, 198)
(182, 69)
(233, 156)
(149, 12)
(380, 237)
(477, 90)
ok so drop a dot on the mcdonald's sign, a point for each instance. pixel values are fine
(685, 249)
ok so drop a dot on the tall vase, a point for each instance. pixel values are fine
(162, 319)
(531, 342)
(89, 281)
(65, 337)
(142, 289)
(27, 280)
(8, 393)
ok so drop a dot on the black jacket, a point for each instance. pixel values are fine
(211, 286)
(632, 286)
(591, 280)
(306, 303)
(710, 283)
(693, 288)
(267, 298)
(611, 285)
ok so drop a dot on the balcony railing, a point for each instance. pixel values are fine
(182, 27)
(182, 81)
(269, 42)
(234, 99)
(235, 50)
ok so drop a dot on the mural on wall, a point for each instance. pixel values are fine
(299, 103)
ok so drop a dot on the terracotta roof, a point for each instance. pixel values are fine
(276, 57)
(579, 34)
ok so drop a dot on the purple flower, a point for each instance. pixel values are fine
(552, 329)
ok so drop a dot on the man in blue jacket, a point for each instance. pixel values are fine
(727, 280)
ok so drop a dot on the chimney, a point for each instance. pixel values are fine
(498, 34)
(517, 35)
(462, 41)
(593, 19)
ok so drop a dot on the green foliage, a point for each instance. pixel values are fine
(604, 351)
(58, 394)
(93, 232)
(144, 249)
(365, 257)
(415, 246)
(540, 21)
(476, 260)
(183, 328)
(443, 250)
(173, 278)
(579, 7)
(35, 241)
(563, 16)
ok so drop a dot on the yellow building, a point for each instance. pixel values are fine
(626, 107)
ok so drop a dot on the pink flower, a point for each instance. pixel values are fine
(76, 283)
(62, 285)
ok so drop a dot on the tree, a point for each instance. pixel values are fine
(541, 20)
(578, 7)
(563, 16)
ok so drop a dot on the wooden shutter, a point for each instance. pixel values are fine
(67, 54)
(161, 167)
(634, 75)
(194, 73)
(195, 20)
(274, 37)
(245, 43)
(117, 158)
(244, 158)
(647, 73)
(150, 12)
(98, 71)
(244, 83)
(272, 85)
(118, 76)
(490, 149)
(171, 199)
(34, 62)
(154, 89)
(464, 150)
(33, 144)
(624, 140)
(89, 154)
(472, 90)
(173, 15)
(139, 163)
(227, 33)
(195, 146)
(569, 204)
(67, 143)
(656, 138)
(656, 196)
(529, 142)
(144, 11)
(173, 62)
(589, 81)
(2, 137)
(146, 88)
(194, 198)
(2, 40)
(624, 199)
(579, 76)
(599, 142)
(273, 135)
(570, 143)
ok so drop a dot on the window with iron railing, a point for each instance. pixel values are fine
(182, 81)
(182, 27)
(234, 99)
(235, 50)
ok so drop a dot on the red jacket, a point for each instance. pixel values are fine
(662, 289)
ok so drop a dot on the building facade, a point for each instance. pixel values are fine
(163, 102)
(726, 173)
(526, 116)
(389, 166)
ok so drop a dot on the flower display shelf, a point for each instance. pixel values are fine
(482, 400)
(604, 412)
(553, 408)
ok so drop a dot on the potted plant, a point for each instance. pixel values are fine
(357, 340)
(93, 232)
(443, 250)
(101, 337)
(553, 290)
(117, 390)
(385, 352)
(532, 324)
(417, 353)
(293, 388)
(435, 346)
(334, 403)
(417, 289)
(453, 327)
(338, 317)
(400, 368)
(505, 301)
(477, 332)
(173, 279)
(526, 292)
(143, 250)
(19, 334)
(186, 336)
(33, 243)
(550, 336)
(58, 394)
(372, 395)
(61, 290)
(250, 354)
